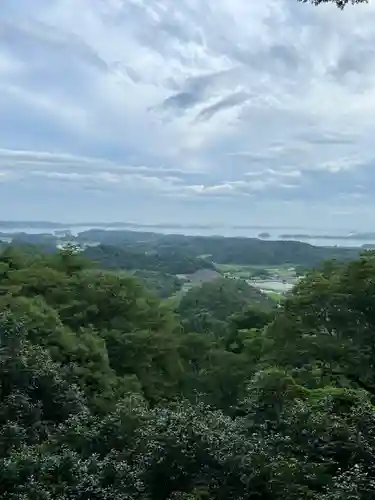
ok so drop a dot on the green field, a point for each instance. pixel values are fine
(277, 297)
(251, 271)
(250, 267)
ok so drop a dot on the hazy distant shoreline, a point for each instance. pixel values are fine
(359, 236)
(104, 225)
(96, 224)
(266, 233)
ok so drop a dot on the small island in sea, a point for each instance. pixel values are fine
(264, 236)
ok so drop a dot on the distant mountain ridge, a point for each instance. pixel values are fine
(195, 251)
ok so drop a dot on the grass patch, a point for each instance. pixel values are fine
(254, 272)
(251, 267)
(277, 297)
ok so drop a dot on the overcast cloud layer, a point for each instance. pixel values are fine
(231, 111)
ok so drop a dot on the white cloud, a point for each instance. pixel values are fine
(8, 66)
(266, 102)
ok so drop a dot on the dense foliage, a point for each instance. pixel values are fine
(181, 254)
(105, 395)
(217, 249)
(207, 308)
(163, 284)
(168, 261)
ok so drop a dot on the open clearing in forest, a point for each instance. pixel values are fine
(255, 271)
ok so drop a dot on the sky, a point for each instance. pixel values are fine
(189, 111)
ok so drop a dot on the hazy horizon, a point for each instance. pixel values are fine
(62, 223)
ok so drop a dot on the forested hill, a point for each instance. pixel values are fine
(172, 261)
(156, 251)
(107, 393)
(207, 308)
(220, 249)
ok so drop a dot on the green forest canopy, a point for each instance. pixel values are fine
(211, 306)
(105, 394)
(185, 254)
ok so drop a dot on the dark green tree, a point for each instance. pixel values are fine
(324, 334)
(341, 4)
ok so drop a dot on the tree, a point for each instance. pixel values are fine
(252, 318)
(94, 323)
(324, 334)
(151, 356)
(34, 392)
(49, 472)
(211, 305)
(70, 260)
(341, 4)
(196, 450)
(39, 410)
(103, 395)
(313, 441)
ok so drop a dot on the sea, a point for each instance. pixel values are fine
(334, 238)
